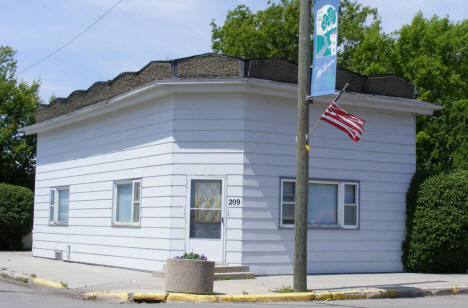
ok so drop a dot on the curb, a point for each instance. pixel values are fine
(26, 278)
(48, 283)
(281, 297)
(148, 297)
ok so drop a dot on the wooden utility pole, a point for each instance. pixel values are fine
(302, 155)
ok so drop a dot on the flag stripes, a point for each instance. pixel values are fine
(350, 124)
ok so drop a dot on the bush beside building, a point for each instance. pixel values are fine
(437, 239)
(16, 212)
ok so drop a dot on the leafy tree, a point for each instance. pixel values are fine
(274, 32)
(17, 103)
(433, 54)
(16, 215)
(373, 54)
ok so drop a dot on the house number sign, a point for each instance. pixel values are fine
(234, 202)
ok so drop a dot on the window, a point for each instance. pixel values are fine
(330, 204)
(205, 209)
(127, 202)
(58, 209)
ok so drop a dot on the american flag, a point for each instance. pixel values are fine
(350, 124)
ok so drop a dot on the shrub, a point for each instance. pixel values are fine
(16, 207)
(411, 200)
(438, 238)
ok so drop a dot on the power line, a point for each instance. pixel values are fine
(13, 149)
(73, 39)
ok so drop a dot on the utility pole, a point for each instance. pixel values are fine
(302, 154)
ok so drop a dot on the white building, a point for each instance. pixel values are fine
(198, 154)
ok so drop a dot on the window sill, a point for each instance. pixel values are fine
(58, 223)
(322, 227)
(124, 225)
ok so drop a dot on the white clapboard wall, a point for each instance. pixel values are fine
(249, 141)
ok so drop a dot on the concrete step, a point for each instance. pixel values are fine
(221, 272)
(234, 275)
(223, 268)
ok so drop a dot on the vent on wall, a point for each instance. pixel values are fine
(58, 255)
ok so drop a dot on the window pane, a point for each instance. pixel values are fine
(350, 217)
(323, 205)
(51, 213)
(205, 223)
(62, 205)
(52, 197)
(207, 195)
(136, 212)
(350, 194)
(288, 213)
(136, 194)
(205, 212)
(124, 203)
(289, 191)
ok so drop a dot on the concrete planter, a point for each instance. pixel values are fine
(189, 276)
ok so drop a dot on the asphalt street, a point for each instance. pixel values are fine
(18, 295)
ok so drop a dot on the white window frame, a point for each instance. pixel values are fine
(53, 204)
(340, 200)
(114, 203)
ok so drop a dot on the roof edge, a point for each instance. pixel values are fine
(212, 65)
(161, 88)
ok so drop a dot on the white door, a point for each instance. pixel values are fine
(205, 219)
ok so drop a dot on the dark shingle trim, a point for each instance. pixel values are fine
(212, 65)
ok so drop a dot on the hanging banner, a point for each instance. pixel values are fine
(325, 45)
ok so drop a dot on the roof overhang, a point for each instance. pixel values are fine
(162, 88)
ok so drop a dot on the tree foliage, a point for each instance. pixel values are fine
(274, 32)
(16, 212)
(17, 103)
(433, 54)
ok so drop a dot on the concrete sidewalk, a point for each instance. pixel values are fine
(85, 278)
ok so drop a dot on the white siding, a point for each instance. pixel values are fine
(247, 140)
(88, 157)
(383, 162)
(208, 131)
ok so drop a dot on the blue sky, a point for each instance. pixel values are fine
(138, 31)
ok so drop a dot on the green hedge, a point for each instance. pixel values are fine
(437, 238)
(16, 208)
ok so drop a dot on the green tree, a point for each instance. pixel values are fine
(16, 215)
(17, 103)
(433, 54)
(274, 32)
(373, 54)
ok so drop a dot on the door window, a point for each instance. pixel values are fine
(205, 209)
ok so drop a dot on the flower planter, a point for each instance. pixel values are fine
(189, 276)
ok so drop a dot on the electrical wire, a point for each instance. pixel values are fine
(73, 39)
(14, 150)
